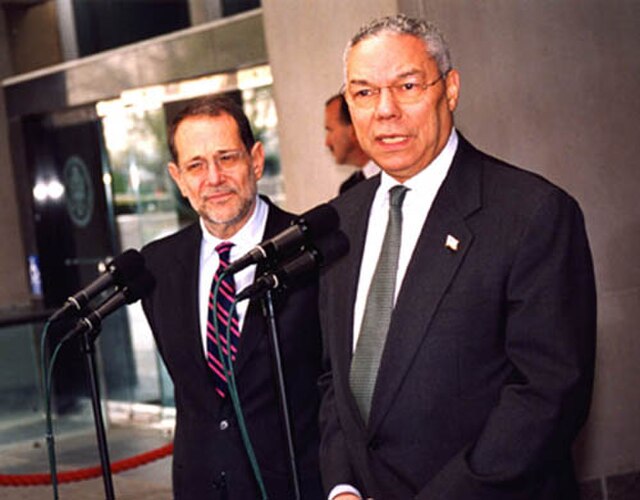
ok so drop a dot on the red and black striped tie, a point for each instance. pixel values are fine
(225, 322)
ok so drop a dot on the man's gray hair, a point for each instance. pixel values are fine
(404, 25)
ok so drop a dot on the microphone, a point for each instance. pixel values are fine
(324, 252)
(120, 271)
(138, 288)
(315, 223)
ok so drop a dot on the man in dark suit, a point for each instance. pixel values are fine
(216, 164)
(341, 140)
(460, 327)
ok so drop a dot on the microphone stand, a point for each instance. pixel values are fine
(268, 311)
(88, 347)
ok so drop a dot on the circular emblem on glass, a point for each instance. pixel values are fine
(79, 191)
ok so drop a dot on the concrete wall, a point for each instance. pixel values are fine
(14, 290)
(33, 38)
(305, 40)
(553, 86)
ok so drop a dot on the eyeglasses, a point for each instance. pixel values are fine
(225, 161)
(408, 92)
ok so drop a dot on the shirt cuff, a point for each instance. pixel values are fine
(343, 488)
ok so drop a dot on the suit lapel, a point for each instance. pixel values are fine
(184, 276)
(254, 329)
(354, 225)
(431, 269)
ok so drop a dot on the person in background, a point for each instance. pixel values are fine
(216, 164)
(340, 139)
(460, 328)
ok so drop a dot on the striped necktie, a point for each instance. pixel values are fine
(222, 303)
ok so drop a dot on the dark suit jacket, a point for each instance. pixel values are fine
(487, 371)
(208, 451)
(351, 181)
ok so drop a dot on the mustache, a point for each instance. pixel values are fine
(223, 189)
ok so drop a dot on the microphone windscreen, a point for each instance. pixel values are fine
(126, 266)
(320, 220)
(139, 287)
(332, 247)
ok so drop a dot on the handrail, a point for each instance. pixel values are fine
(24, 315)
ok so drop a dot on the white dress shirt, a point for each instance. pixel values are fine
(244, 240)
(423, 188)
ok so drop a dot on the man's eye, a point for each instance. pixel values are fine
(409, 86)
(228, 158)
(190, 167)
(364, 93)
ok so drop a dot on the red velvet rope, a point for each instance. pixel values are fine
(87, 473)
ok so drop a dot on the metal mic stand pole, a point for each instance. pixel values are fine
(89, 349)
(267, 309)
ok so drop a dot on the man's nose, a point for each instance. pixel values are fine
(214, 175)
(387, 106)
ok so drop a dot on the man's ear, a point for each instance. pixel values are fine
(174, 172)
(452, 82)
(257, 159)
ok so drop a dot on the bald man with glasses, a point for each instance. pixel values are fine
(460, 328)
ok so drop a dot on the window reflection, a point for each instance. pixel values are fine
(146, 202)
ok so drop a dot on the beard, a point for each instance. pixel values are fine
(225, 219)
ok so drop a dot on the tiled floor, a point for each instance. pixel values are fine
(75, 451)
(153, 481)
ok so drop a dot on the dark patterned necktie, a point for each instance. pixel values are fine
(377, 312)
(224, 300)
